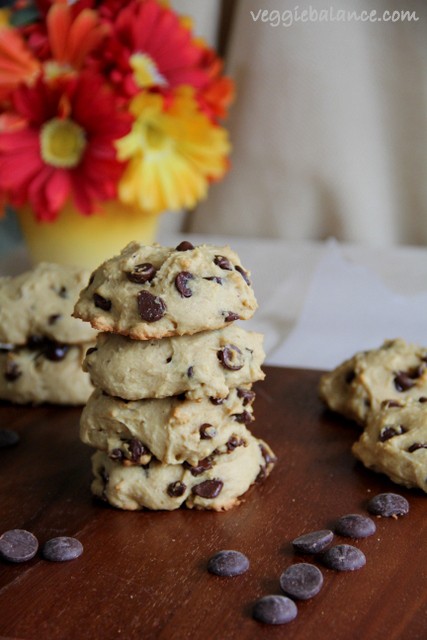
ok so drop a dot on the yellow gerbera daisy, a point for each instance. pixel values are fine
(173, 153)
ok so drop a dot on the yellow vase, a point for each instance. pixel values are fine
(85, 241)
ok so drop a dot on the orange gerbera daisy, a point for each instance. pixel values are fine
(65, 148)
(17, 64)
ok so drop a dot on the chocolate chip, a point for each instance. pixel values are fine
(223, 263)
(54, 351)
(13, 372)
(231, 316)
(207, 431)
(214, 279)
(91, 350)
(8, 438)
(390, 404)
(216, 401)
(343, 557)
(415, 446)
(243, 273)
(117, 454)
(301, 581)
(246, 395)
(231, 357)
(234, 442)
(405, 380)
(36, 343)
(190, 372)
(5, 347)
(388, 505)
(63, 293)
(268, 458)
(243, 418)
(136, 449)
(355, 525)
(274, 610)
(228, 563)
(18, 545)
(176, 489)
(208, 489)
(181, 283)
(350, 376)
(390, 432)
(61, 549)
(101, 303)
(184, 246)
(313, 542)
(151, 308)
(201, 467)
(53, 318)
(142, 273)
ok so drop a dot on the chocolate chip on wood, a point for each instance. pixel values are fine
(18, 545)
(274, 610)
(388, 505)
(355, 525)
(228, 563)
(343, 557)
(62, 548)
(313, 542)
(301, 581)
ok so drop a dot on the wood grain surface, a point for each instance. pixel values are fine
(143, 574)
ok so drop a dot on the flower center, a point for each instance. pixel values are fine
(154, 136)
(145, 71)
(62, 143)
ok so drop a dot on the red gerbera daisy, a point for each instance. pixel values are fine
(151, 48)
(65, 148)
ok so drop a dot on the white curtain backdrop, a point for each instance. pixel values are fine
(329, 128)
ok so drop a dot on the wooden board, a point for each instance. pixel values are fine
(143, 574)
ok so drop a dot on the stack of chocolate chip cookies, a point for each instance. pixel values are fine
(41, 345)
(172, 376)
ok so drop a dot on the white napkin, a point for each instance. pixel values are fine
(347, 309)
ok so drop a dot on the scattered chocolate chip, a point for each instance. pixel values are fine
(301, 581)
(181, 283)
(243, 273)
(91, 279)
(54, 351)
(246, 395)
(391, 432)
(415, 446)
(214, 279)
(231, 316)
(190, 372)
(355, 525)
(63, 293)
(61, 549)
(208, 489)
(18, 545)
(13, 372)
(223, 263)
(274, 610)
(151, 308)
(313, 542)
(207, 431)
(53, 318)
(184, 246)
(422, 399)
(101, 303)
(231, 357)
(388, 505)
(216, 401)
(201, 467)
(168, 359)
(8, 438)
(91, 350)
(343, 557)
(176, 489)
(228, 563)
(142, 273)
